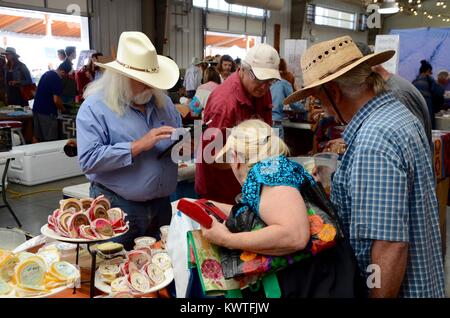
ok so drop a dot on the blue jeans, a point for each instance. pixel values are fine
(145, 217)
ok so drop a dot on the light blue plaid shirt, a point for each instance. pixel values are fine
(384, 190)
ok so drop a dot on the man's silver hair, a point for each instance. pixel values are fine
(360, 79)
(115, 89)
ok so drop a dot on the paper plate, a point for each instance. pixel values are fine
(53, 293)
(105, 288)
(45, 230)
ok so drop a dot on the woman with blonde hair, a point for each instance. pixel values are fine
(295, 214)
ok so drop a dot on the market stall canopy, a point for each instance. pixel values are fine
(229, 41)
(36, 26)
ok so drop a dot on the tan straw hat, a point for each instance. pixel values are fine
(137, 59)
(329, 60)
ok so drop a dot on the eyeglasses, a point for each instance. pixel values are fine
(258, 81)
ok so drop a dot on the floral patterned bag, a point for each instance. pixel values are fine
(222, 270)
(325, 232)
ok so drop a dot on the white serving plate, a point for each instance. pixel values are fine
(45, 230)
(105, 288)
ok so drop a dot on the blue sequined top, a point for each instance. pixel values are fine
(275, 171)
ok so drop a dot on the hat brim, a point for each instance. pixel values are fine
(6, 53)
(165, 79)
(372, 60)
(264, 74)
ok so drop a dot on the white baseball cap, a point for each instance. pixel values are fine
(264, 61)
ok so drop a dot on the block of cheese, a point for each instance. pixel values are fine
(31, 272)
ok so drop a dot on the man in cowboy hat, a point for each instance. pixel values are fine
(384, 188)
(193, 78)
(125, 123)
(16, 75)
(245, 95)
(405, 92)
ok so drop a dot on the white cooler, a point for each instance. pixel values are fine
(42, 163)
(2, 169)
(80, 191)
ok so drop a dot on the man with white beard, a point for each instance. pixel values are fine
(123, 126)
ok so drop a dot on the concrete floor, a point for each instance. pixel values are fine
(33, 210)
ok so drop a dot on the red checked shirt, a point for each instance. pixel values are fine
(228, 106)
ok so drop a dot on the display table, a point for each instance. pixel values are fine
(27, 125)
(299, 137)
(186, 177)
(8, 156)
(85, 290)
(289, 124)
(443, 123)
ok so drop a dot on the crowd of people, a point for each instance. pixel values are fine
(57, 89)
(383, 204)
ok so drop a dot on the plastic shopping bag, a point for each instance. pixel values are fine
(177, 248)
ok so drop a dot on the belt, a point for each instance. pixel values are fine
(101, 186)
(275, 122)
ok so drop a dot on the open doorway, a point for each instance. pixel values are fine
(38, 35)
(235, 45)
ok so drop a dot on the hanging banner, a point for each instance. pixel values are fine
(294, 50)
(389, 42)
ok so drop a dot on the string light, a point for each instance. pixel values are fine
(414, 7)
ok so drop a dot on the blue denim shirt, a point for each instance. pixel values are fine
(20, 74)
(280, 91)
(104, 149)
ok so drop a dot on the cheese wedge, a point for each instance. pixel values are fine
(86, 203)
(120, 285)
(162, 260)
(71, 204)
(139, 282)
(109, 272)
(64, 271)
(139, 258)
(8, 262)
(31, 273)
(155, 274)
(5, 288)
(50, 256)
(24, 256)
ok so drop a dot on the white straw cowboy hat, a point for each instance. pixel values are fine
(329, 60)
(137, 59)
